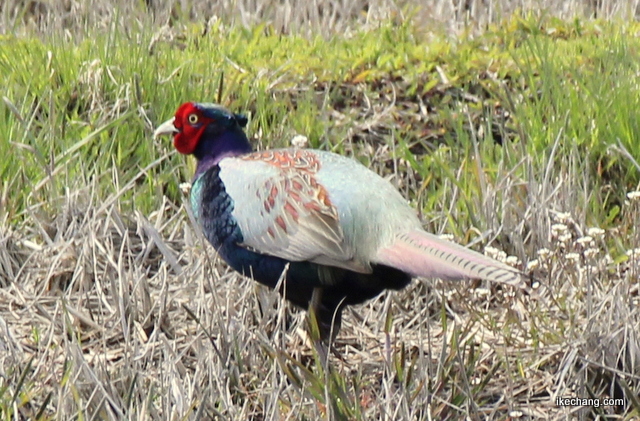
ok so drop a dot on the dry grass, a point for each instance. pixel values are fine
(108, 313)
(324, 16)
(120, 315)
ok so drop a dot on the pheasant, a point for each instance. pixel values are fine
(336, 233)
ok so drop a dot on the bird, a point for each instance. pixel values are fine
(321, 228)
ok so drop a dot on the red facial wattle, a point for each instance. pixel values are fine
(190, 123)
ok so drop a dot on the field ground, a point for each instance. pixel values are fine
(518, 137)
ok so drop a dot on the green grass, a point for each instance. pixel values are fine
(494, 137)
(567, 84)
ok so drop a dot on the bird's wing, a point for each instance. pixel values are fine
(283, 210)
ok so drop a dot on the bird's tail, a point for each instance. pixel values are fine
(424, 255)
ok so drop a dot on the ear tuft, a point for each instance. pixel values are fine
(241, 119)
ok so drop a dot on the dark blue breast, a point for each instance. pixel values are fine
(213, 208)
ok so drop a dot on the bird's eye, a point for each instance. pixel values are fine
(193, 118)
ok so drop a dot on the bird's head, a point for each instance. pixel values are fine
(193, 120)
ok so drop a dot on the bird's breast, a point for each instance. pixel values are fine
(213, 208)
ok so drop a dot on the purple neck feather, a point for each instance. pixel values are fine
(212, 148)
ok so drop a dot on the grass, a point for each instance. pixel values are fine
(522, 137)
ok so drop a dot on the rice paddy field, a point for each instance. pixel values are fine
(510, 126)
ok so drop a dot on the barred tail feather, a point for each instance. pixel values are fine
(424, 255)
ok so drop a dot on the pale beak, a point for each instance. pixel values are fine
(166, 128)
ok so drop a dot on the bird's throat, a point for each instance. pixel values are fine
(214, 148)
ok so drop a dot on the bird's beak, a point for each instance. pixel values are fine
(166, 128)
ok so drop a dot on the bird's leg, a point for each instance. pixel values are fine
(320, 327)
(315, 316)
(325, 318)
(317, 329)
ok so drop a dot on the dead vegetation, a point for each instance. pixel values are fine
(116, 314)
(324, 16)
